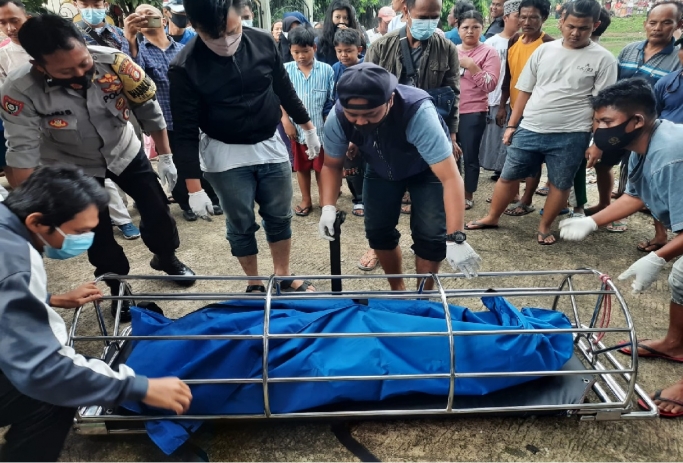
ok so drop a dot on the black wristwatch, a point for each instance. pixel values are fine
(457, 237)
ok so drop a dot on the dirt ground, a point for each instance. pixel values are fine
(512, 247)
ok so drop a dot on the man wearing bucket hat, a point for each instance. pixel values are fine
(407, 147)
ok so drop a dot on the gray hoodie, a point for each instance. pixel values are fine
(33, 354)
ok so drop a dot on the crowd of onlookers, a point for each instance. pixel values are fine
(402, 111)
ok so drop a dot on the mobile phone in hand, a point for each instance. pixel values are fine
(154, 21)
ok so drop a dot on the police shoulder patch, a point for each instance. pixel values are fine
(12, 106)
(137, 86)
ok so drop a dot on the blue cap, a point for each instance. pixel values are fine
(367, 81)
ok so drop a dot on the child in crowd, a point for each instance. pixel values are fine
(313, 82)
(349, 46)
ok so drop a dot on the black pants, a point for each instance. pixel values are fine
(470, 131)
(37, 429)
(157, 227)
(354, 170)
(180, 193)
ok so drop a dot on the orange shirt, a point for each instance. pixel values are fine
(518, 54)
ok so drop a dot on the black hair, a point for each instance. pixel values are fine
(471, 14)
(329, 28)
(677, 4)
(628, 96)
(210, 16)
(543, 7)
(584, 9)
(58, 193)
(460, 7)
(348, 37)
(16, 2)
(45, 34)
(304, 36)
(605, 21)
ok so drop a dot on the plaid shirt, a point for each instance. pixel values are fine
(632, 62)
(111, 35)
(155, 63)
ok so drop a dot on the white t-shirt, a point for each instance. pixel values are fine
(216, 156)
(501, 46)
(396, 23)
(372, 35)
(561, 82)
(12, 56)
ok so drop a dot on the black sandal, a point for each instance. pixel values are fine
(256, 289)
(286, 286)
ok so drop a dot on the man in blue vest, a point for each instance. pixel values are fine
(407, 147)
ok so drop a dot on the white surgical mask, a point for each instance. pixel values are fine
(248, 22)
(224, 46)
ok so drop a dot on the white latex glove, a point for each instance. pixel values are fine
(167, 171)
(326, 225)
(645, 270)
(201, 204)
(577, 228)
(462, 257)
(313, 143)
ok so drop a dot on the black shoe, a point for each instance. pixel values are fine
(217, 210)
(190, 216)
(125, 310)
(173, 266)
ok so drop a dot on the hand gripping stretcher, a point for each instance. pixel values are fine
(595, 384)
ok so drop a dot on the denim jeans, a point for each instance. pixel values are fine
(561, 152)
(382, 200)
(269, 186)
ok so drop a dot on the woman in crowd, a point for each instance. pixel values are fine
(479, 73)
(276, 30)
(340, 15)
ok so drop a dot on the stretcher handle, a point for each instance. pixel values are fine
(335, 252)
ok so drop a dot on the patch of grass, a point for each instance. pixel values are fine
(620, 33)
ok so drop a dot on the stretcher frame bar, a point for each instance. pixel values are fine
(581, 334)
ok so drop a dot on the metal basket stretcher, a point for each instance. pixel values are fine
(607, 387)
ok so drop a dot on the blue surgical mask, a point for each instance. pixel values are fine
(72, 246)
(248, 22)
(422, 29)
(93, 16)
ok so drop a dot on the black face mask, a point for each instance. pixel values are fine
(368, 129)
(180, 20)
(83, 83)
(615, 138)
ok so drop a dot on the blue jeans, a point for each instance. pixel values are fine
(382, 200)
(562, 153)
(268, 185)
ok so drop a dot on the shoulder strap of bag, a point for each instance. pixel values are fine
(408, 63)
(89, 30)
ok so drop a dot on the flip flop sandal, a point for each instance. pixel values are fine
(650, 247)
(562, 212)
(406, 199)
(525, 209)
(480, 226)
(469, 204)
(286, 286)
(406, 208)
(544, 237)
(256, 289)
(303, 212)
(358, 210)
(543, 191)
(663, 414)
(651, 353)
(372, 263)
(617, 227)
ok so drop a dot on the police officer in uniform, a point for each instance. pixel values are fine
(72, 105)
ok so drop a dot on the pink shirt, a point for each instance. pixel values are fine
(474, 89)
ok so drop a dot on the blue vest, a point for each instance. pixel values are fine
(387, 150)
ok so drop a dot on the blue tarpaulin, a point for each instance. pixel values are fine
(212, 359)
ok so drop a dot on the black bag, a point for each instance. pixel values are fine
(443, 97)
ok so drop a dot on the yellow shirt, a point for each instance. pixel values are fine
(518, 54)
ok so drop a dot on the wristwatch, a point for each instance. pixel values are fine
(457, 237)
